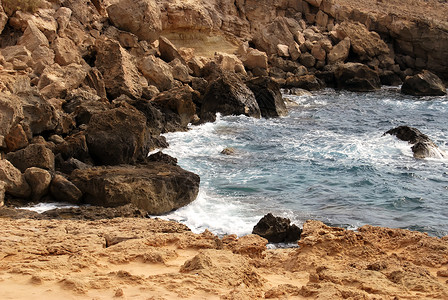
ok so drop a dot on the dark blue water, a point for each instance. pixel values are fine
(327, 160)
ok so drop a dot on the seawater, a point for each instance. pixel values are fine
(327, 160)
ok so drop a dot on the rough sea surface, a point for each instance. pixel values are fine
(327, 160)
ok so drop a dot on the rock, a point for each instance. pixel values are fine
(95, 80)
(118, 136)
(423, 146)
(19, 57)
(3, 21)
(34, 155)
(307, 60)
(55, 80)
(16, 139)
(340, 52)
(74, 146)
(141, 17)
(268, 96)
(228, 151)
(307, 82)
(366, 44)
(229, 62)
(390, 78)
(94, 213)
(39, 180)
(162, 158)
(423, 84)
(37, 43)
(15, 183)
(177, 107)
(121, 76)
(157, 188)
(283, 50)
(11, 112)
(180, 71)
(269, 36)
(71, 164)
(157, 72)
(321, 19)
(168, 52)
(315, 3)
(294, 51)
(277, 229)
(356, 77)
(228, 95)
(83, 103)
(255, 59)
(39, 114)
(65, 51)
(62, 17)
(64, 191)
(2, 187)
(318, 52)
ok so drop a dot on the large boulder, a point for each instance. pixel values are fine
(121, 76)
(357, 77)
(254, 58)
(14, 181)
(141, 17)
(306, 82)
(157, 72)
(11, 112)
(340, 52)
(423, 84)
(118, 136)
(156, 187)
(422, 147)
(64, 190)
(177, 107)
(34, 155)
(228, 95)
(277, 229)
(268, 96)
(168, 52)
(39, 181)
(56, 81)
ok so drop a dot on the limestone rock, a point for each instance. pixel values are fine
(157, 72)
(318, 52)
(230, 96)
(294, 51)
(277, 229)
(64, 190)
(11, 112)
(357, 77)
(39, 114)
(2, 190)
(37, 43)
(177, 107)
(15, 183)
(66, 52)
(340, 52)
(62, 17)
(268, 96)
(3, 20)
(308, 60)
(255, 59)
(95, 80)
(315, 3)
(283, 50)
(55, 81)
(121, 76)
(269, 36)
(16, 139)
(83, 103)
(168, 51)
(74, 146)
(19, 56)
(423, 84)
(34, 155)
(180, 71)
(229, 62)
(141, 17)
(118, 136)
(39, 180)
(157, 188)
(307, 82)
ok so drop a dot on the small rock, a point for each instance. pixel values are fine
(228, 151)
(277, 229)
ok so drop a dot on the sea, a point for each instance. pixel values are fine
(327, 160)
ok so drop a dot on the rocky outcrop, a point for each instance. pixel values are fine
(34, 155)
(423, 84)
(268, 96)
(228, 95)
(423, 146)
(357, 77)
(277, 229)
(156, 187)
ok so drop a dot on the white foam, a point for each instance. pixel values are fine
(43, 207)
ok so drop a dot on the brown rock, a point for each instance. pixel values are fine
(294, 51)
(180, 71)
(318, 52)
(11, 112)
(357, 77)
(121, 76)
(423, 84)
(16, 138)
(3, 20)
(307, 60)
(307, 82)
(2, 193)
(95, 80)
(64, 191)
(315, 3)
(168, 52)
(118, 136)
(321, 19)
(229, 62)
(34, 155)
(62, 17)
(15, 183)
(157, 187)
(39, 180)
(340, 52)
(277, 229)
(268, 96)
(65, 51)
(55, 81)
(255, 59)
(282, 50)
(39, 114)
(157, 72)
(141, 17)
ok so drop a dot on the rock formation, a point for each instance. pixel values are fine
(277, 229)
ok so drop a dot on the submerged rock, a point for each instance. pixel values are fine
(277, 229)
(156, 187)
(423, 84)
(423, 146)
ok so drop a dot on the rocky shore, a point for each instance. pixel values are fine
(87, 89)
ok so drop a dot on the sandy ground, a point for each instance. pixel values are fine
(127, 258)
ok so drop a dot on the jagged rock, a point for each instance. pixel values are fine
(83, 103)
(39, 180)
(340, 52)
(74, 146)
(95, 80)
(55, 80)
(162, 158)
(307, 60)
(390, 78)
(71, 164)
(321, 19)
(283, 50)
(294, 51)
(196, 65)
(307, 82)
(16, 138)
(141, 17)
(168, 52)
(156, 187)
(11, 112)
(19, 56)
(268, 37)
(356, 77)
(423, 146)
(121, 76)
(318, 52)
(64, 190)
(228, 151)
(255, 59)
(3, 21)
(34, 155)
(229, 62)
(37, 43)
(39, 114)
(15, 183)
(62, 17)
(423, 84)
(2, 185)
(65, 51)
(157, 72)
(268, 96)
(315, 3)
(177, 107)
(180, 71)
(277, 229)
(118, 136)
(230, 96)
